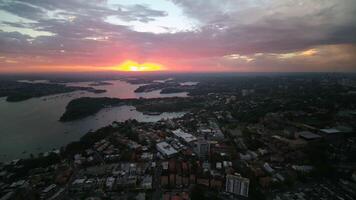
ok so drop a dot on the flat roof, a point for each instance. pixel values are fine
(330, 130)
(183, 135)
(49, 188)
(308, 135)
(166, 149)
(79, 181)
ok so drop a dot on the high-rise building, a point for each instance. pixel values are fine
(237, 185)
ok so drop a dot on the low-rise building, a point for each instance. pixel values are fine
(166, 149)
(186, 137)
(202, 148)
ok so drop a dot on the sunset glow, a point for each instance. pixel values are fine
(177, 36)
(132, 66)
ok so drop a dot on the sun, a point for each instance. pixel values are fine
(132, 66)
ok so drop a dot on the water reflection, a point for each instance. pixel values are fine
(32, 126)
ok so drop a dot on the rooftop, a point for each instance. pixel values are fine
(308, 135)
(330, 130)
(183, 135)
(166, 149)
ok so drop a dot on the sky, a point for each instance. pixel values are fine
(178, 35)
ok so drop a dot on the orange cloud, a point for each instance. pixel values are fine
(309, 52)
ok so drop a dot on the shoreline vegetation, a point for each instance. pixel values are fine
(19, 91)
(87, 106)
(16, 91)
(100, 83)
(167, 87)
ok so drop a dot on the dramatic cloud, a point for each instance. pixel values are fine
(200, 35)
